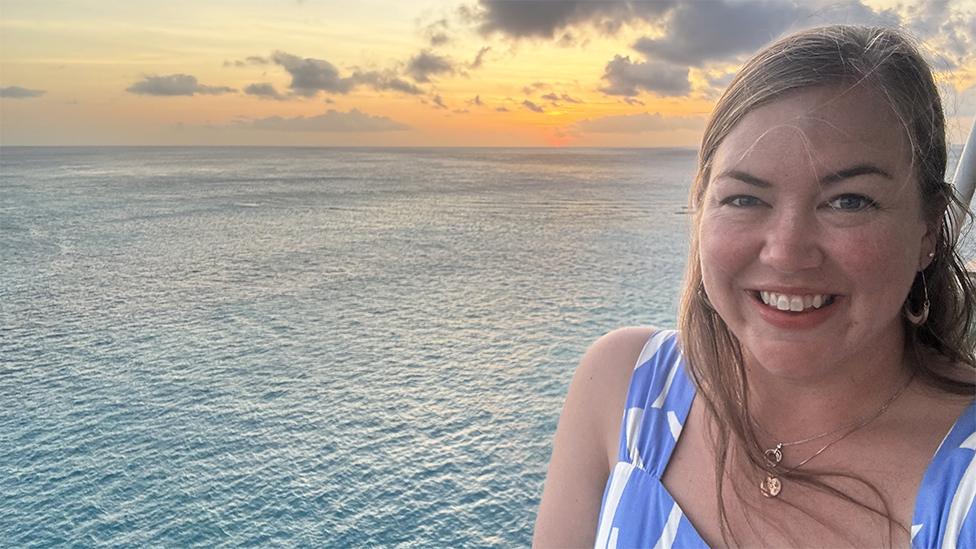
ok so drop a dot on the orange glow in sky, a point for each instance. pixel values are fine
(425, 73)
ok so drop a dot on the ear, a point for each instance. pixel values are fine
(929, 242)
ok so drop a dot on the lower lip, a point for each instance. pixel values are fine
(795, 320)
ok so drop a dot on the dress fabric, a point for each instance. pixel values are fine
(638, 511)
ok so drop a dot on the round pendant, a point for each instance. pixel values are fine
(774, 455)
(770, 487)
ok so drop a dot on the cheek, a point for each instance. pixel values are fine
(879, 262)
(725, 249)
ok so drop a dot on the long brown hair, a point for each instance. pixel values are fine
(845, 55)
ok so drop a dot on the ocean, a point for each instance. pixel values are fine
(304, 347)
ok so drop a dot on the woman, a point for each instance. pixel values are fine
(820, 389)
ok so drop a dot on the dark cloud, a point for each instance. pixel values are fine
(639, 123)
(476, 101)
(264, 90)
(251, 60)
(532, 106)
(310, 76)
(632, 101)
(436, 33)
(438, 101)
(625, 77)
(480, 58)
(385, 81)
(175, 84)
(502, 109)
(16, 92)
(547, 18)
(555, 98)
(425, 64)
(331, 121)
(715, 30)
(534, 87)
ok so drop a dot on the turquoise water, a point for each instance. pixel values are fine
(251, 347)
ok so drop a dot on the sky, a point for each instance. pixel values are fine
(414, 73)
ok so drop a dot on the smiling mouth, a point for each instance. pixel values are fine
(794, 302)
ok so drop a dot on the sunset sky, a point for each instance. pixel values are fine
(412, 73)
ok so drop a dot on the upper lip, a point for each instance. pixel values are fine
(791, 291)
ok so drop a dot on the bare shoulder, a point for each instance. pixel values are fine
(604, 375)
(584, 448)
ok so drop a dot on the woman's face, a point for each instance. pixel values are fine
(812, 230)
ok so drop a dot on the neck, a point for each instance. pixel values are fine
(795, 408)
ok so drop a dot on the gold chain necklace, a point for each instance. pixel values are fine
(771, 486)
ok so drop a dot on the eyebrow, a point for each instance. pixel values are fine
(846, 173)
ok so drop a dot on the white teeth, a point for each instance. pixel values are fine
(794, 303)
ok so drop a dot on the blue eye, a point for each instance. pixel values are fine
(742, 201)
(851, 203)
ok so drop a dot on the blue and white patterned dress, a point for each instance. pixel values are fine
(638, 511)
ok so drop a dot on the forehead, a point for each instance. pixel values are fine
(818, 129)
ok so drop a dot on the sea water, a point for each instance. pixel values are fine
(303, 347)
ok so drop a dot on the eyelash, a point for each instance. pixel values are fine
(865, 202)
(737, 201)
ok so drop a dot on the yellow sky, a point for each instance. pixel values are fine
(109, 72)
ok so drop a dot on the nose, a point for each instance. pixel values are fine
(792, 242)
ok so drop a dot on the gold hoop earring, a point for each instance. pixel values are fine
(919, 318)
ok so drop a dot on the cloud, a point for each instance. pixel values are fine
(385, 80)
(554, 98)
(639, 123)
(532, 106)
(264, 90)
(175, 84)
(331, 121)
(310, 76)
(951, 32)
(476, 100)
(425, 64)
(547, 18)
(632, 101)
(627, 78)
(502, 109)
(16, 92)
(438, 102)
(479, 59)
(250, 60)
(707, 31)
(535, 86)
(436, 33)
(851, 12)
